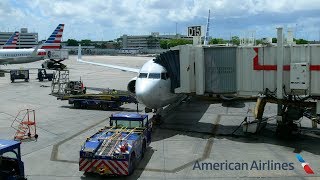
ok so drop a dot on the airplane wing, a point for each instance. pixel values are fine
(106, 65)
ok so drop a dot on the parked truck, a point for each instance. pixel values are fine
(117, 149)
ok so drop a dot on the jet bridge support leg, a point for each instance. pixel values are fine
(259, 108)
(287, 126)
(316, 120)
(291, 112)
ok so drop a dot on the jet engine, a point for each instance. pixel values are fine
(132, 85)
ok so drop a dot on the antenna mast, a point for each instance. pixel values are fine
(206, 37)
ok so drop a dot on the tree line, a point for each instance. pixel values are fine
(88, 42)
(236, 41)
(168, 43)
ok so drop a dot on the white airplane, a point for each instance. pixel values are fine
(151, 86)
(19, 56)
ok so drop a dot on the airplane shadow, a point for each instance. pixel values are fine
(187, 119)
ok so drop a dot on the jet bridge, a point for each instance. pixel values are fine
(288, 75)
(207, 70)
(248, 71)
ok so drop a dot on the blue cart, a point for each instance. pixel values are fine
(11, 166)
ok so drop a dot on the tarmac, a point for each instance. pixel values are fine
(194, 140)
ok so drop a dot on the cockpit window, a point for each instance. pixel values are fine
(154, 75)
(164, 76)
(143, 75)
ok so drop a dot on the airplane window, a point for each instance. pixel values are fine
(143, 75)
(154, 75)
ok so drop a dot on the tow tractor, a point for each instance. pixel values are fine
(42, 74)
(117, 149)
(11, 166)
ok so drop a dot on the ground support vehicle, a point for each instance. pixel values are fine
(19, 74)
(49, 64)
(75, 88)
(42, 74)
(11, 166)
(116, 150)
(99, 101)
(55, 59)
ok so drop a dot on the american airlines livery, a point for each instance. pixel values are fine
(19, 56)
(12, 41)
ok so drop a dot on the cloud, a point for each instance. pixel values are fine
(96, 19)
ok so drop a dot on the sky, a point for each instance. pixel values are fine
(109, 19)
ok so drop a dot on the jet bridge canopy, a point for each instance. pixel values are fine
(170, 60)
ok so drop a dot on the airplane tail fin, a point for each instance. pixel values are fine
(54, 41)
(12, 41)
(79, 53)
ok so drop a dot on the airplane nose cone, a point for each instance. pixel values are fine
(147, 93)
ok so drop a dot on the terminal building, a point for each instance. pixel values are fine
(25, 40)
(151, 41)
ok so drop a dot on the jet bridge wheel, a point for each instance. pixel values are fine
(288, 128)
(285, 130)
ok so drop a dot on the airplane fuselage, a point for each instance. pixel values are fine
(18, 56)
